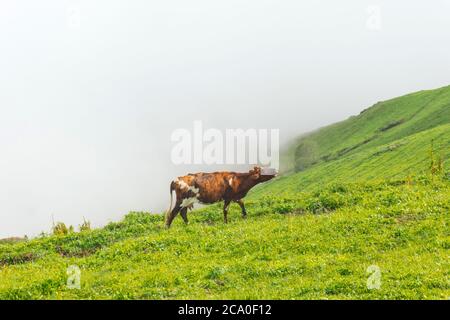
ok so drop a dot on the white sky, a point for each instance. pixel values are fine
(90, 91)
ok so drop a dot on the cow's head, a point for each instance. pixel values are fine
(261, 175)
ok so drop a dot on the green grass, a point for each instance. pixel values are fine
(300, 246)
(368, 199)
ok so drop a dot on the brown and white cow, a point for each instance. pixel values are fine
(213, 187)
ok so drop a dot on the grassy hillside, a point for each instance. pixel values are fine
(300, 246)
(408, 156)
(372, 193)
(381, 124)
(390, 139)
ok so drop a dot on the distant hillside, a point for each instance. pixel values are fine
(12, 240)
(380, 124)
(390, 139)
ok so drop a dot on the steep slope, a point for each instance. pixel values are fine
(391, 139)
(381, 124)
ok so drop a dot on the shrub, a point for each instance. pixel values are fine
(60, 228)
(85, 226)
(325, 202)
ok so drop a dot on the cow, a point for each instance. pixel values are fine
(208, 188)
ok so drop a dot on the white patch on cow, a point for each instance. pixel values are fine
(194, 190)
(189, 202)
(230, 181)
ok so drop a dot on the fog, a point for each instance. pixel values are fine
(90, 91)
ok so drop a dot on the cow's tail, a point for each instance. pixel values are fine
(172, 188)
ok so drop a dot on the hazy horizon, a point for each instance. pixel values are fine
(91, 91)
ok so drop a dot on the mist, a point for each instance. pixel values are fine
(90, 91)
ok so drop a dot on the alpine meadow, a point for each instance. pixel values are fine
(360, 211)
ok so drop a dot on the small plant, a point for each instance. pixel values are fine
(60, 228)
(436, 162)
(409, 180)
(85, 226)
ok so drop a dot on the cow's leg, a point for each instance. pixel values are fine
(225, 210)
(183, 213)
(241, 204)
(173, 214)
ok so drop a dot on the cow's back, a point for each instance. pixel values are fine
(212, 186)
